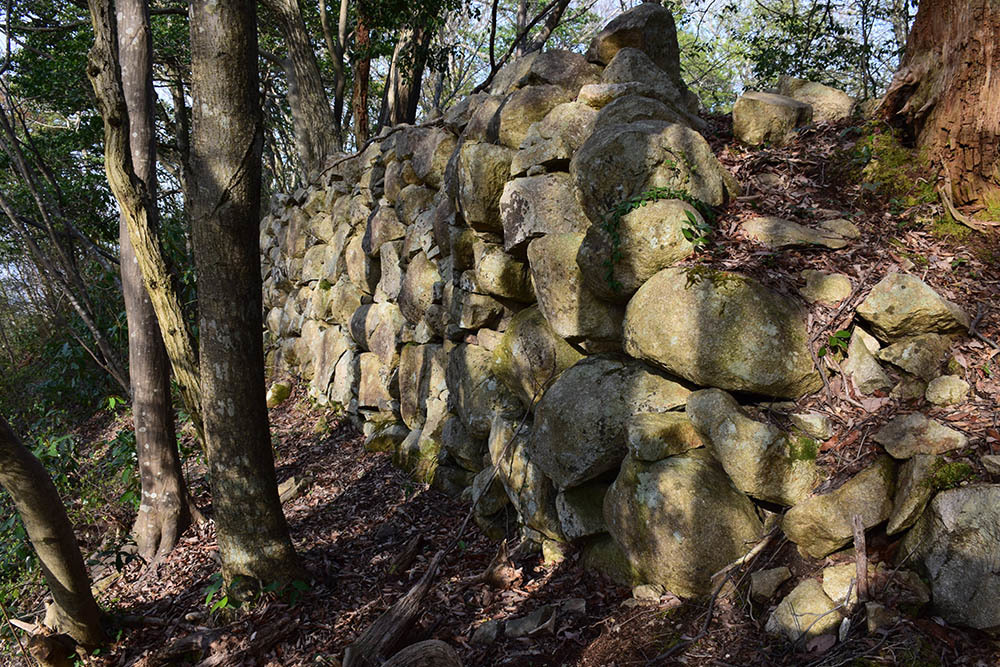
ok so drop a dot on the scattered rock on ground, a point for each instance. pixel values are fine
(764, 583)
(766, 117)
(828, 104)
(906, 435)
(914, 488)
(903, 305)
(947, 390)
(806, 612)
(826, 288)
(774, 232)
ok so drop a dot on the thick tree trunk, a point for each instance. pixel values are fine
(163, 512)
(134, 201)
(362, 71)
(311, 114)
(947, 96)
(75, 611)
(227, 135)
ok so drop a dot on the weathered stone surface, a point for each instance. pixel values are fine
(955, 543)
(345, 380)
(483, 170)
(813, 424)
(652, 436)
(527, 486)
(762, 460)
(650, 28)
(914, 489)
(383, 226)
(362, 270)
(470, 310)
(631, 108)
(431, 156)
(421, 376)
(724, 331)
(765, 583)
(571, 309)
(826, 288)
(840, 583)
(766, 117)
(558, 67)
(331, 344)
(581, 510)
(806, 612)
(775, 232)
(903, 305)
(277, 393)
(602, 554)
(488, 493)
(991, 463)
(547, 155)
(478, 127)
(821, 524)
(569, 122)
(475, 392)
(921, 355)
(630, 66)
(413, 201)
(828, 104)
(579, 430)
(841, 227)
(537, 205)
(465, 449)
(390, 272)
(524, 107)
(419, 287)
(650, 238)
(620, 161)
(498, 274)
(531, 356)
(679, 520)
(377, 382)
(862, 367)
(907, 435)
(947, 390)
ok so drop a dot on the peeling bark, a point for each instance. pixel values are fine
(946, 95)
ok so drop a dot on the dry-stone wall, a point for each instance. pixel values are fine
(449, 286)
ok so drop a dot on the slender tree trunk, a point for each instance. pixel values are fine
(947, 96)
(335, 48)
(135, 204)
(227, 135)
(362, 71)
(75, 611)
(163, 512)
(311, 115)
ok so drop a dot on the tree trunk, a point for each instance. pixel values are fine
(335, 47)
(163, 512)
(226, 139)
(135, 203)
(947, 97)
(311, 115)
(75, 611)
(362, 71)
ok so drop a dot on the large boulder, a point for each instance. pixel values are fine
(531, 356)
(421, 378)
(761, 459)
(955, 543)
(483, 170)
(498, 274)
(559, 67)
(822, 524)
(650, 28)
(632, 66)
(538, 205)
(632, 107)
(618, 162)
(579, 430)
(649, 238)
(475, 392)
(529, 489)
(766, 117)
(573, 311)
(679, 520)
(828, 104)
(430, 157)
(723, 331)
(524, 107)
(903, 305)
(419, 287)
(652, 436)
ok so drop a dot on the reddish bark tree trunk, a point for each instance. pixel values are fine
(362, 71)
(947, 96)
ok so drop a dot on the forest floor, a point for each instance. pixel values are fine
(356, 513)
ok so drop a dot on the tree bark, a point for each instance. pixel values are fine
(311, 114)
(163, 512)
(75, 611)
(135, 203)
(946, 95)
(335, 47)
(227, 135)
(362, 71)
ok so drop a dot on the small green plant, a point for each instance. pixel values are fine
(115, 402)
(215, 592)
(947, 475)
(696, 231)
(836, 343)
(802, 448)
(325, 284)
(695, 275)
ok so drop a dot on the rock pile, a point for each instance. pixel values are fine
(462, 290)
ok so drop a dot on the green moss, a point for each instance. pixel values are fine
(949, 475)
(719, 279)
(895, 171)
(325, 284)
(802, 448)
(948, 228)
